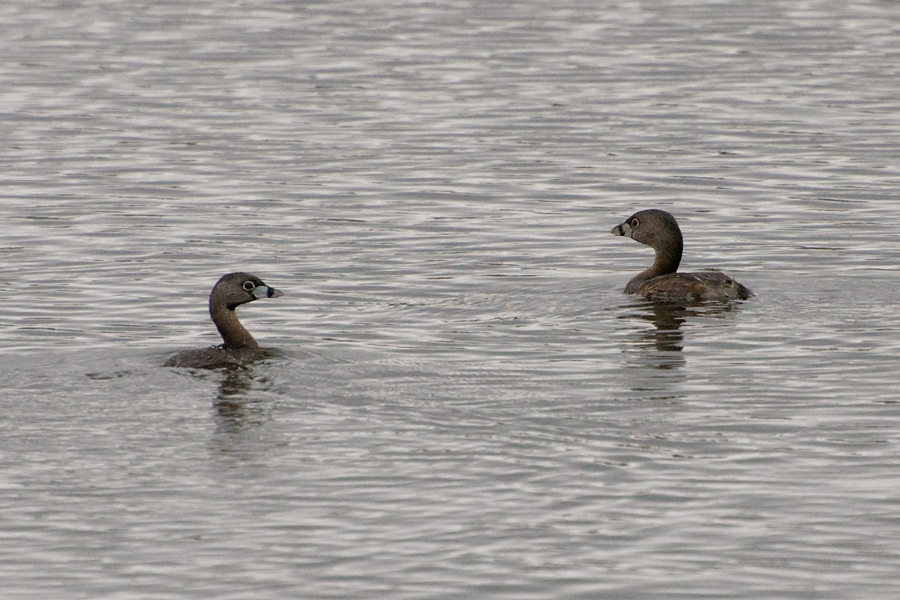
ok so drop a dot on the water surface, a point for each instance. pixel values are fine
(462, 402)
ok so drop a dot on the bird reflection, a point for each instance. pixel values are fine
(665, 341)
(237, 416)
(230, 404)
(659, 347)
(667, 319)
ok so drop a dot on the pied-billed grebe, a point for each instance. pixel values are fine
(658, 229)
(230, 291)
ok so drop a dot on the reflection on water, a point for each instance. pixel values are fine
(232, 401)
(666, 335)
(660, 346)
(658, 354)
(667, 319)
(240, 409)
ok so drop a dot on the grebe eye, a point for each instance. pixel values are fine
(635, 223)
(249, 286)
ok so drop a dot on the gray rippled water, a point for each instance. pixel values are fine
(461, 402)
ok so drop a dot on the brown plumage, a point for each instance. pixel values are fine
(239, 347)
(659, 230)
